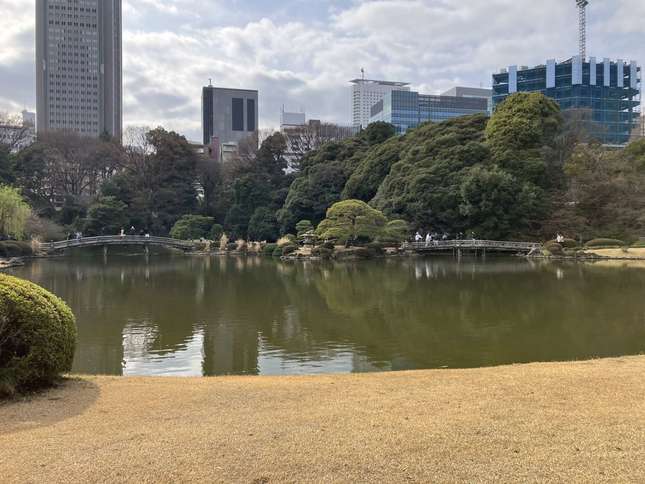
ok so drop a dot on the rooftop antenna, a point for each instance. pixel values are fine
(210, 82)
(363, 73)
(582, 18)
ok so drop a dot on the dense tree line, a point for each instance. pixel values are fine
(527, 172)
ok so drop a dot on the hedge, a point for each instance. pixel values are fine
(595, 243)
(12, 248)
(37, 336)
(269, 249)
(554, 248)
(567, 243)
(289, 249)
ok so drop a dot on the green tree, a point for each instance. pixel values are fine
(424, 187)
(192, 227)
(496, 204)
(157, 181)
(395, 232)
(106, 216)
(377, 133)
(216, 232)
(263, 225)
(351, 221)
(14, 213)
(303, 227)
(365, 180)
(519, 131)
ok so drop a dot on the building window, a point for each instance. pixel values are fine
(238, 114)
(250, 115)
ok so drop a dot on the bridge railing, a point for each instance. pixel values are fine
(116, 239)
(471, 244)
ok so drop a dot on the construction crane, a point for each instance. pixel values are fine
(582, 7)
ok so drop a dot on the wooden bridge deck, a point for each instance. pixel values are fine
(472, 244)
(136, 240)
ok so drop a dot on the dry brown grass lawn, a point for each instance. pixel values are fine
(577, 422)
(632, 253)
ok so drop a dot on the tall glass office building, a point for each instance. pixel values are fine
(408, 109)
(609, 91)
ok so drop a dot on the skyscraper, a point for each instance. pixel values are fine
(366, 93)
(78, 66)
(228, 115)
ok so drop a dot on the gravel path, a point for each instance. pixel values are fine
(575, 422)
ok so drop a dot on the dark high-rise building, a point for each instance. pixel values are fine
(78, 66)
(609, 91)
(228, 115)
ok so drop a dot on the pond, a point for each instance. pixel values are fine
(178, 315)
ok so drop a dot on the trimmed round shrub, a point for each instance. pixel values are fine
(567, 243)
(606, 243)
(37, 336)
(269, 249)
(231, 247)
(554, 248)
(289, 249)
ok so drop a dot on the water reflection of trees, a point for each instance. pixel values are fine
(411, 313)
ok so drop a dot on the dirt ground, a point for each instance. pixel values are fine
(571, 422)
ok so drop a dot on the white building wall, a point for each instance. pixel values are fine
(365, 94)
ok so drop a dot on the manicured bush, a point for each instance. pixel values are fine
(192, 227)
(231, 246)
(37, 336)
(376, 249)
(567, 243)
(216, 232)
(554, 248)
(639, 245)
(606, 243)
(289, 249)
(277, 252)
(12, 248)
(269, 249)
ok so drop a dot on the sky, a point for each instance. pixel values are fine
(301, 53)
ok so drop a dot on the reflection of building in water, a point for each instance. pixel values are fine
(140, 357)
(362, 364)
(230, 348)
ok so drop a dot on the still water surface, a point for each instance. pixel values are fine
(190, 316)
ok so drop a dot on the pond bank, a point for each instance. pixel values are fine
(548, 422)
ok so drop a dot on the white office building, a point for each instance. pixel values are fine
(366, 93)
